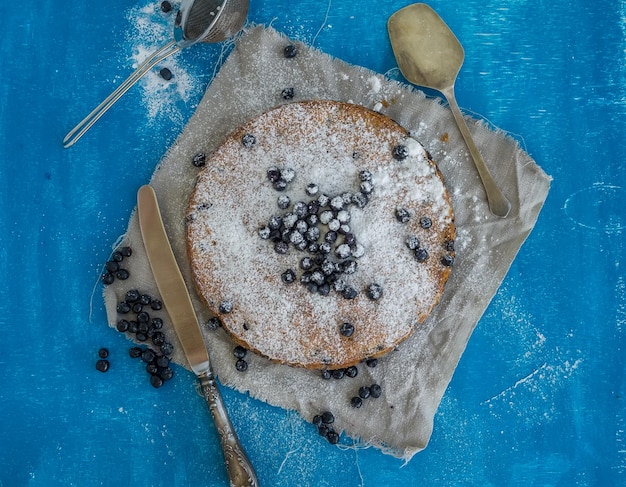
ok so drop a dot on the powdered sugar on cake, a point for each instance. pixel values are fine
(374, 172)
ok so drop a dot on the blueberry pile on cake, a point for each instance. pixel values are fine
(321, 234)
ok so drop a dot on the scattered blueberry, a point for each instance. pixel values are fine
(400, 152)
(374, 291)
(328, 417)
(346, 329)
(326, 374)
(412, 242)
(371, 362)
(402, 215)
(239, 352)
(226, 307)
(102, 365)
(248, 140)
(364, 392)
(352, 371)
(156, 381)
(241, 365)
(273, 174)
(333, 437)
(122, 274)
(283, 201)
(426, 222)
(447, 260)
(375, 390)
(103, 353)
(356, 402)
(288, 276)
(449, 245)
(288, 93)
(421, 254)
(166, 6)
(135, 352)
(166, 74)
(290, 51)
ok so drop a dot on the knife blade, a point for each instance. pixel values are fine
(177, 302)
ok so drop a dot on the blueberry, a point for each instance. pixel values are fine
(412, 242)
(273, 174)
(330, 236)
(156, 381)
(288, 276)
(306, 263)
(141, 336)
(290, 51)
(326, 374)
(300, 209)
(317, 420)
(103, 353)
(371, 362)
(366, 187)
(199, 160)
(166, 373)
(323, 200)
(326, 217)
(241, 365)
(122, 274)
(288, 174)
(344, 216)
(426, 222)
(338, 373)
(374, 291)
(102, 365)
(312, 189)
(356, 402)
(167, 348)
(317, 277)
(162, 361)
(107, 278)
(265, 232)
(328, 417)
(332, 436)
(156, 323)
(166, 6)
(122, 326)
(283, 201)
(364, 392)
(143, 317)
(135, 352)
(112, 266)
(290, 220)
(360, 199)
(158, 338)
(281, 247)
(346, 329)
(337, 203)
(312, 234)
(400, 152)
(280, 185)
(375, 390)
(248, 140)
(348, 266)
(356, 155)
(147, 355)
(324, 289)
(313, 207)
(349, 292)
(226, 307)
(145, 299)
(449, 245)
(239, 352)
(156, 304)
(123, 308)
(288, 93)
(323, 430)
(133, 327)
(166, 74)
(421, 254)
(213, 323)
(325, 248)
(352, 372)
(402, 215)
(447, 260)
(117, 256)
(126, 251)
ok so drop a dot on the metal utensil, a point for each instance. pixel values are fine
(429, 54)
(208, 21)
(177, 302)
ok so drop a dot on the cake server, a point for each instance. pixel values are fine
(178, 304)
(429, 54)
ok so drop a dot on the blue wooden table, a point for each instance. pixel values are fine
(537, 398)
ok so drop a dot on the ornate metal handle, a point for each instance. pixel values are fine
(240, 470)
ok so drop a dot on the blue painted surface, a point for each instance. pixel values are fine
(538, 396)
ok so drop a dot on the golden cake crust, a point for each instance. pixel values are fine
(328, 145)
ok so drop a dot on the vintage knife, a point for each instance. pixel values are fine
(177, 302)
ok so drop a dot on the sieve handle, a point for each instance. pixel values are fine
(85, 124)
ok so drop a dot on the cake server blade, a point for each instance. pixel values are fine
(175, 297)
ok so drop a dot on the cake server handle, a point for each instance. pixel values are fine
(240, 470)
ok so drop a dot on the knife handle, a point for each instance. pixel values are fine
(240, 470)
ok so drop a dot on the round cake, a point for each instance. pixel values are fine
(321, 234)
